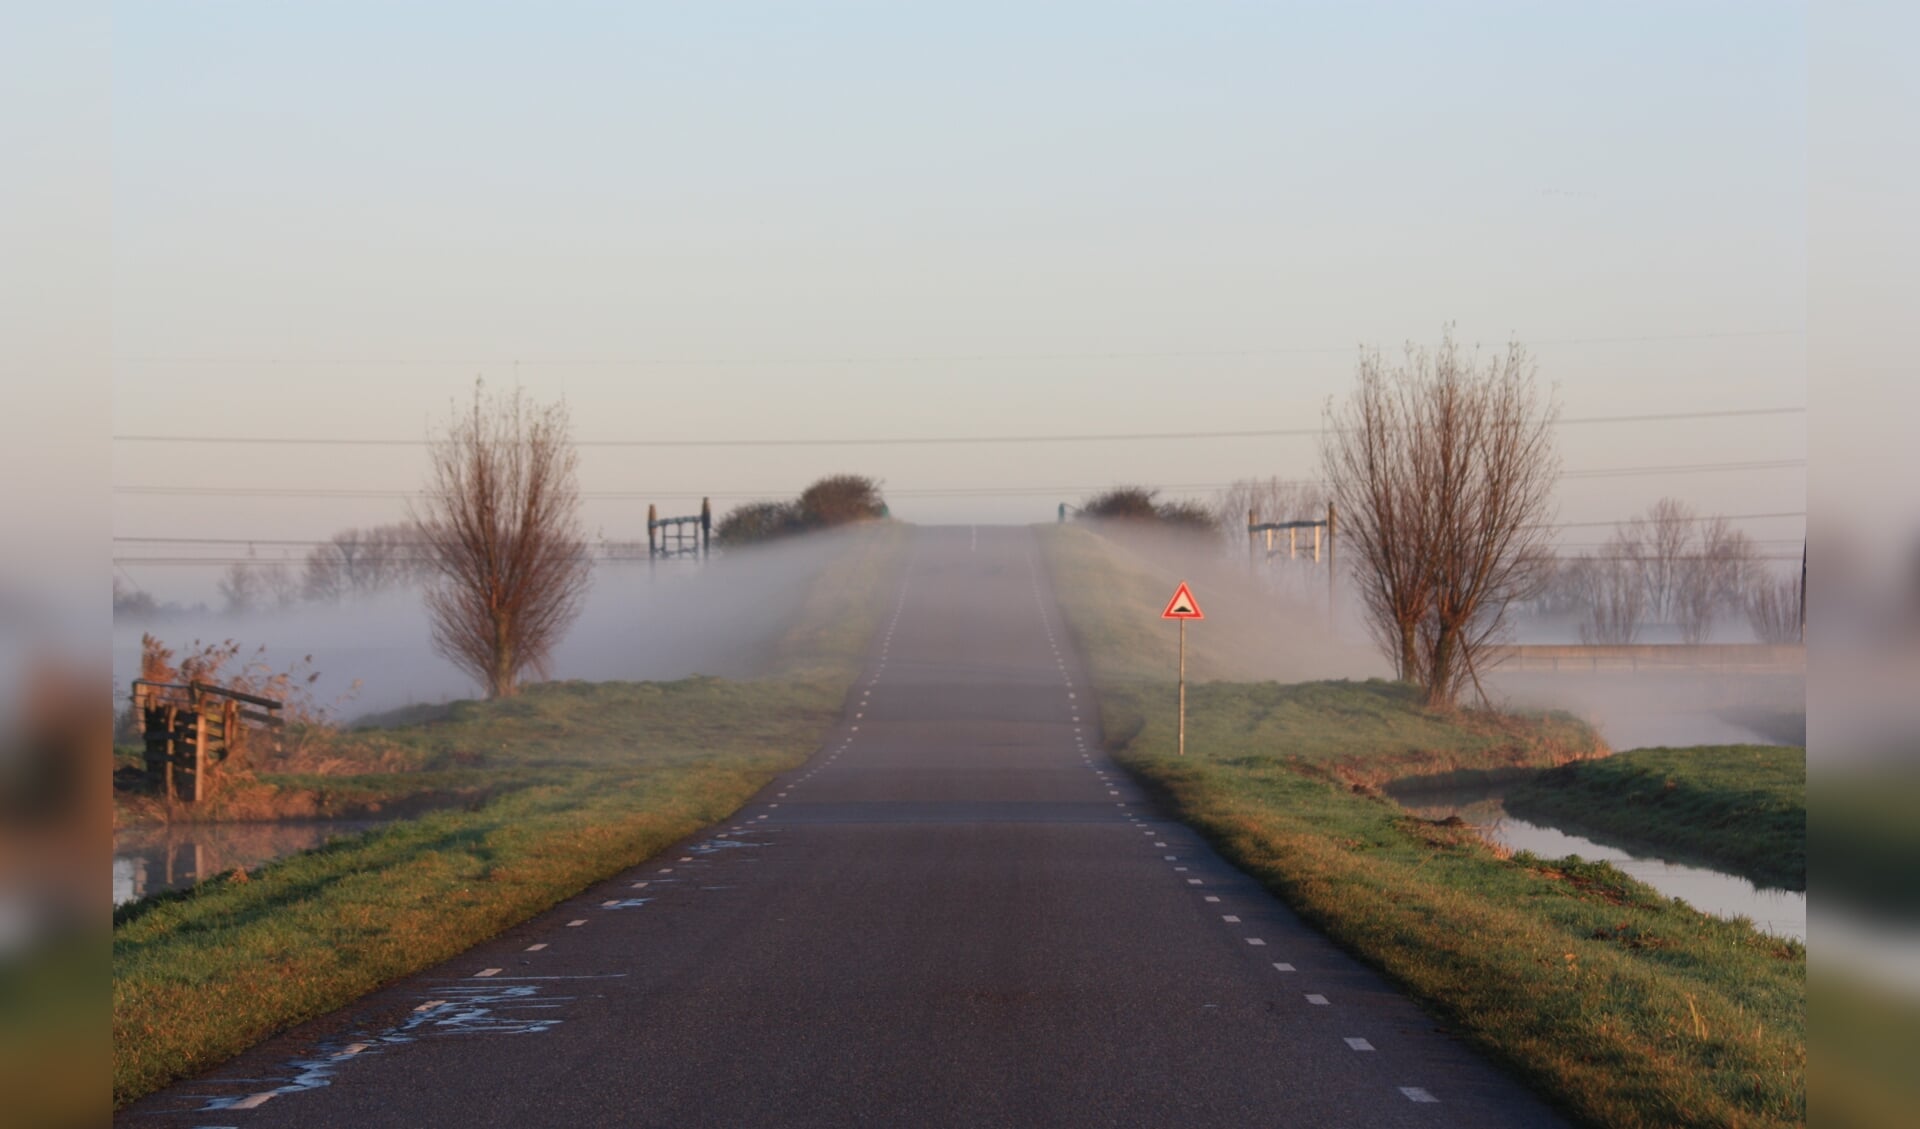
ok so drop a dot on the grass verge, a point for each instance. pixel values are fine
(1739, 807)
(1624, 1007)
(585, 779)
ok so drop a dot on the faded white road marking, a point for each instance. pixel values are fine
(489, 971)
(669, 870)
(254, 1101)
(576, 922)
(1316, 1000)
(536, 948)
(1255, 941)
(430, 1005)
(1169, 858)
(1359, 1044)
(1416, 1094)
(1282, 966)
(1178, 869)
(1159, 844)
(1193, 882)
(1229, 919)
(1213, 897)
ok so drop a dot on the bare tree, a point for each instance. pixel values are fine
(359, 562)
(1665, 536)
(500, 524)
(1772, 606)
(1443, 470)
(1269, 499)
(1617, 600)
(1710, 577)
(1372, 474)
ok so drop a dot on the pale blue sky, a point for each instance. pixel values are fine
(329, 217)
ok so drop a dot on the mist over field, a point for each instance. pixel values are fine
(676, 619)
(1269, 621)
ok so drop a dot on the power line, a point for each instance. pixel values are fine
(926, 440)
(306, 543)
(898, 359)
(907, 492)
(1689, 520)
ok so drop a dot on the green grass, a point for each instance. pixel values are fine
(1624, 1007)
(1739, 807)
(581, 780)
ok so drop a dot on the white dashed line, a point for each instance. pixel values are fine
(576, 922)
(1229, 919)
(1282, 966)
(536, 948)
(487, 972)
(1359, 1044)
(1193, 882)
(1255, 941)
(1416, 1094)
(1213, 897)
(1316, 1000)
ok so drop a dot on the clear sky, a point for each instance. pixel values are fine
(732, 221)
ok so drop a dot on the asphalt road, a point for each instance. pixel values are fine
(958, 913)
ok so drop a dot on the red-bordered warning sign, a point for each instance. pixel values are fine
(1183, 605)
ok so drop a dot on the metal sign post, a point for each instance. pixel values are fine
(1183, 607)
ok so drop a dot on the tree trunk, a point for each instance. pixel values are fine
(501, 682)
(1440, 679)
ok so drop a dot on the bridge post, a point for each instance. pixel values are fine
(706, 528)
(1331, 571)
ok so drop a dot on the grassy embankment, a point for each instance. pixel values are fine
(587, 779)
(1624, 1007)
(1739, 807)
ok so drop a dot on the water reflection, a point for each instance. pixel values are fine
(1782, 913)
(147, 860)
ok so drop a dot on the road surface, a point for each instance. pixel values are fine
(958, 913)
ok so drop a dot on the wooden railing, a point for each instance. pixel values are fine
(191, 727)
(1632, 657)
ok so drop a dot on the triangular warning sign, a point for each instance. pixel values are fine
(1182, 606)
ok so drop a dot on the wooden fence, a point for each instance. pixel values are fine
(1742, 658)
(191, 727)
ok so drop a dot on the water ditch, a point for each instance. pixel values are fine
(1782, 913)
(151, 859)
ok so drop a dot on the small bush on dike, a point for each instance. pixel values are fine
(838, 499)
(1139, 503)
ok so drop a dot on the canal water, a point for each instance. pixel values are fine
(1782, 913)
(148, 860)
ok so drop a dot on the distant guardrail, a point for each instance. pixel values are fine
(1633, 657)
